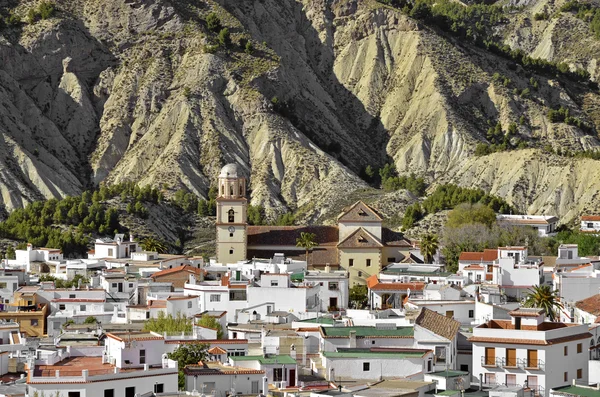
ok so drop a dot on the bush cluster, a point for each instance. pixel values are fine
(449, 196)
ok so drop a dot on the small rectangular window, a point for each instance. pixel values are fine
(130, 285)
(579, 373)
(109, 393)
(73, 394)
(471, 313)
(368, 262)
(391, 260)
(566, 351)
(215, 298)
(160, 388)
(82, 308)
(359, 274)
(366, 366)
(566, 377)
(230, 234)
(61, 307)
(114, 285)
(142, 356)
(274, 283)
(230, 252)
(71, 296)
(189, 304)
(333, 286)
(350, 262)
(579, 348)
(34, 322)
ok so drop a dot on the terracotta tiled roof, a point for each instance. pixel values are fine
(438, 324)
(287, 235)
(360, 238)
(580, 267)
(181, 298)
(157, 304)
(473, 267)
(526, 312)
(137, 336)
(217, 350)
(394, 239)
(590, 218)
(184, 268)
(590, 305)
(488, 255)
(564, 339)
(359, 212)
(372, 281)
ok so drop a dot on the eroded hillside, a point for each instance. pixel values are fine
(143, 90)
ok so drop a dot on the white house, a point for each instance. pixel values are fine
(280, 370)
(334, 287)
(526, 350)
(387, 335)
(577, 283)
(131, 365)
(376, 363)
(462, 310)
(386, 294)
(114, 248)
(543, 224)
(24, 258)
(590, 224)
(587, 311)
(211, 378)
(439, 334)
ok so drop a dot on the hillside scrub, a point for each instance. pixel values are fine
(449, 196)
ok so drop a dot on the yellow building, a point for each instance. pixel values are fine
(231, 216)
(28, 312)
(358, 244)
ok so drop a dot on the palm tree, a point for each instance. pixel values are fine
(306, 241)
(543, 297)
(429, 246)
(154, 245)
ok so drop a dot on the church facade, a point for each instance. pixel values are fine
(358, 244)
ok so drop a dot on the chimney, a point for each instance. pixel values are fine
(265, 385)
(327, 268)
(29, 247)
(352, 339)
(131, 238)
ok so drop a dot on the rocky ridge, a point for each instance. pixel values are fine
(118, 90)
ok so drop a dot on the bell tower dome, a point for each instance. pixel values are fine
(231, 215)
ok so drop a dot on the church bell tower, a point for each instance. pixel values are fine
(231, 216)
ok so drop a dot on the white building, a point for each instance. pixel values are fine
(333, 291)
(587, 311)
(280, 370)
(387, 294)
(376, 363)
(526, 350)
(543, 224)
(439, 334)
(212, 378)
(577, 283)
(250, 302)
(132, 365)
(568, 258)
(24, 258)
(114, 248)
(590, 224)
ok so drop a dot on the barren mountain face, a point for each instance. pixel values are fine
(144, 90)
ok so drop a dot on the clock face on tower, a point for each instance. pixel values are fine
(231, 229)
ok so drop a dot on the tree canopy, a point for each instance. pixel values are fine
(211, 322)
(544, 297)
(471, 213)
(169, 324)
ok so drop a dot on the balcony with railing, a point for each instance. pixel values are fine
(532, 364)
(491, 362)
(509, 363)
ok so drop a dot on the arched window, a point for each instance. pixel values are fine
(222, 190)
(231, 215)
(231, 190)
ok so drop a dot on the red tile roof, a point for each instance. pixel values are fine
(488, 255)
(590, 218)
(590, 305)
(287, 235)
(374, 285)
(473, 267)
(217, 350)
(359, 212)
(438, 324)
(184, 268)
(360, 238)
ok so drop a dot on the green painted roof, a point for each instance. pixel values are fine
(319, 320)
(297, 276)
(578, 391)
(271, 359)
(448, 374)
(366, 353)
(447, 393)
(364, 332)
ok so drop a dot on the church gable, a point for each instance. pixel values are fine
(359, 212)
(360, 239)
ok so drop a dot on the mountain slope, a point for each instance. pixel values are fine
(119, 90)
